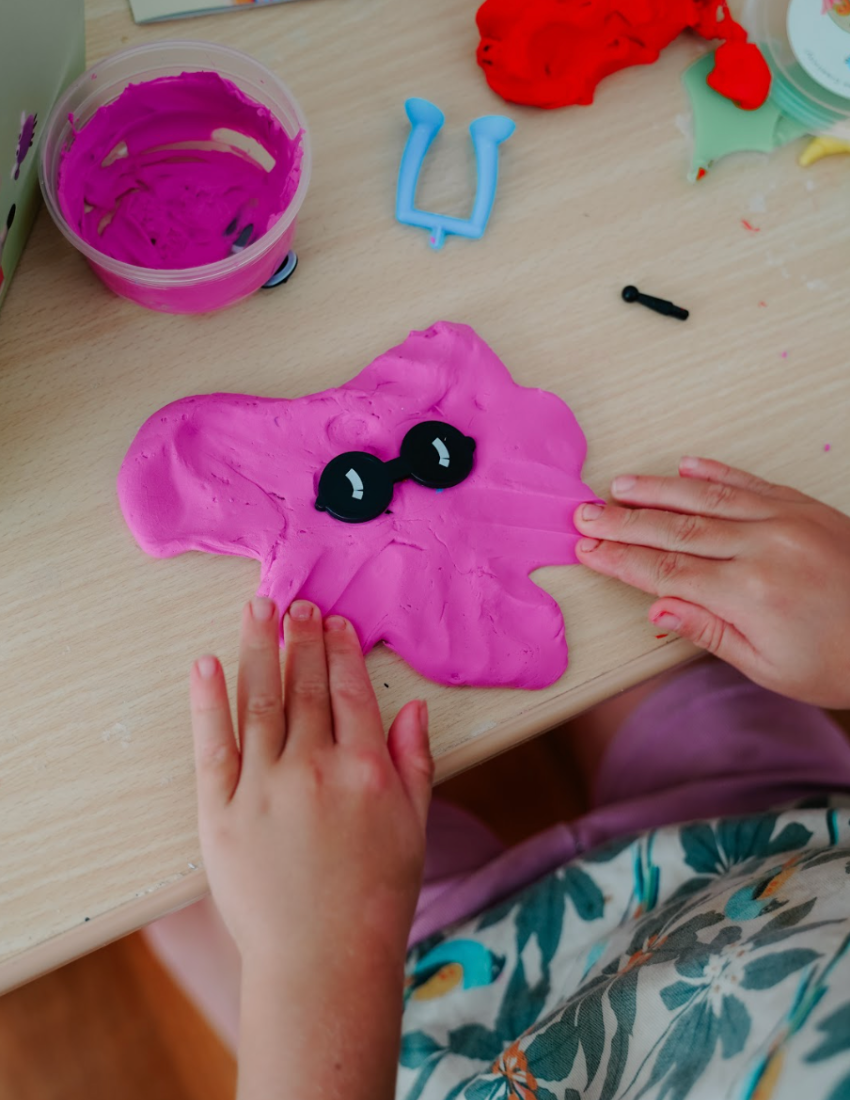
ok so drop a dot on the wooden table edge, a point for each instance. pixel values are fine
(130, 916)
(72, 944)
(549, 714)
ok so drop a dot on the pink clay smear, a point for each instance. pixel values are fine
(155, 179)
(443, 578)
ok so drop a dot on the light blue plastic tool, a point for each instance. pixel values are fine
(487, 135)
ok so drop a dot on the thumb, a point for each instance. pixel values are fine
(410, 752)
(704, 629)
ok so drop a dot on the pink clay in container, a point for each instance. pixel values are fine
(178, 170)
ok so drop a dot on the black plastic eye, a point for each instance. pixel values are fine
(355, 487)
(437, 454)
(358, 486)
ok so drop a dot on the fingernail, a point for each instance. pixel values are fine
(667, 621)
(586, 545)
(622, 485)
(591, 511)
(423, 715)
(335, 622)
(689, 463)
(262, 609)
(301, 610)
(207, 667)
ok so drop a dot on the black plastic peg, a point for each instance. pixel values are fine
(660, 305)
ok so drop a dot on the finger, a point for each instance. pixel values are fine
(707, 538)
(410, 752)
(661, 572)
(216, 752)
(693, 495)
(704, 629)
(356, 716)
(306, 697)
(707, 469)
(259, 702)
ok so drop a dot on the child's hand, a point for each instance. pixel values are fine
(313, 834)
(757, 574)
(313, 828)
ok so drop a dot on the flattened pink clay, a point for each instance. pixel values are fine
(443, 578)
(157, 178)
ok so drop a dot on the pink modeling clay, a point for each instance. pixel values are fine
(443, 576)
(177, 172)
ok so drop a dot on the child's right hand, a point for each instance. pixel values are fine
(755, 573)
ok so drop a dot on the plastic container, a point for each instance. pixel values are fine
(806, 43)
(193, 289)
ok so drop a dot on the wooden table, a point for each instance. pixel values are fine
(97, 817)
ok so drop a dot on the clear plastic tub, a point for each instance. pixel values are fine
(806, 45)
(193, 289)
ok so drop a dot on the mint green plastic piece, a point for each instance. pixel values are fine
(721, 128)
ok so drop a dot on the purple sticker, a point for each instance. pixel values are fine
(25, 140)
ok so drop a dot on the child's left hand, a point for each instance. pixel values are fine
(313, 834)
(318, 822)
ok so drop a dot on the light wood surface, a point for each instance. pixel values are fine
(97, 821)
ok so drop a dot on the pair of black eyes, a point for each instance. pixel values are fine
(358, 486)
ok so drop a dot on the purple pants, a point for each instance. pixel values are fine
(707, 743)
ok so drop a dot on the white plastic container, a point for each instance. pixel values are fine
(192, 289)
(806, 43)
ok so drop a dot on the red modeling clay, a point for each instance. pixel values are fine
(553, 53)
(741, 74)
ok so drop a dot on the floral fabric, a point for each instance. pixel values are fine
(706, 961)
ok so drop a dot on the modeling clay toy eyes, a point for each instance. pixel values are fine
(357, 486)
